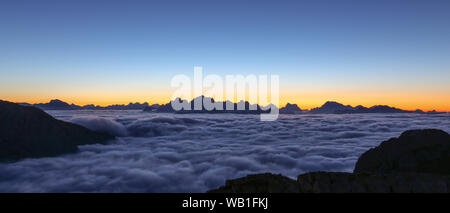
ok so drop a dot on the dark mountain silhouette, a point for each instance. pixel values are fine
(130, 106)
(61, 105)
(291, 109)
(431, 112)
(417, 161)
(56, 105)
(152, 108)
(385, 109)
(330, 107)
(27, 131)
(242, 107)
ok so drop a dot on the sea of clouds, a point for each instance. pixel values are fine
(198, 152)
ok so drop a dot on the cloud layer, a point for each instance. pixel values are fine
(194, 153)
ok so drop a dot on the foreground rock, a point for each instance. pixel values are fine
(338, 182)
(416, 162)
(268, 183)
(419, 151)
(30, 132)
(341, 182)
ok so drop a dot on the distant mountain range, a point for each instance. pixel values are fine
(61, 105)
(330, 107)
(244, 107)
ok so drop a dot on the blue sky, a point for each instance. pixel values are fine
(347, 50)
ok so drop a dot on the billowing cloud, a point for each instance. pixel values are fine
(194, 153)
(101, 124)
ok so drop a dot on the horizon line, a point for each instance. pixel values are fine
(287, 102)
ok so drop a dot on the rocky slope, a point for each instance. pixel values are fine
(341, 182)
(260, 183)
(338, 182)
(417, 161)
(425, 151)
(27, 131)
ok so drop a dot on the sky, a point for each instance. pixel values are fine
(395, 53)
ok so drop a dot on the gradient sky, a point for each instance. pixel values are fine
(110, 52)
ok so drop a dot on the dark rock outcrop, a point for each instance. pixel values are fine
(416, 162)
(338, 182)
(30, 132)
(341, 182)
(418, 151)
(264, 183)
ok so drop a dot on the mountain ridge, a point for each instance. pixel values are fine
(415, 162)
(29, 132)
(329, 107)
(56, 104)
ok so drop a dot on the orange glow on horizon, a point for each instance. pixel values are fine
(306, 97)
(438, 102)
